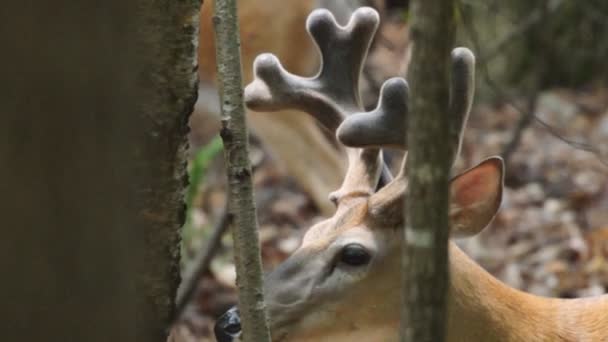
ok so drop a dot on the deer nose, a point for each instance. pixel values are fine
(228, 326)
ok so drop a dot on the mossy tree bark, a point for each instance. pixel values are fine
(425, 258)
(241, 207)
(96, 101)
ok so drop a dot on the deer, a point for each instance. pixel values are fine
(262, 30)
(343, 283)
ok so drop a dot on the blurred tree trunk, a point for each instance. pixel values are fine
(425, 257)
(95, 102)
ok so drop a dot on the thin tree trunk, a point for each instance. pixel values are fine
(94, 105)
(425, 257)
(241, 207)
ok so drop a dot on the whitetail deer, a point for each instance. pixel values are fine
(343, 283)
(262, 30)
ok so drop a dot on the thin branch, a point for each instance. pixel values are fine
(524, 121)
(200, 265)
(241, 207)
(575, 144)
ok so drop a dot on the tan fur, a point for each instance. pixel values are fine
(262, 30)
(484, 309)
(311, 297)
(364, 306)
(278, 27)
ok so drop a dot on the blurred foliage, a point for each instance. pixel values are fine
(567, 47)
(198, 168)
(529, 45)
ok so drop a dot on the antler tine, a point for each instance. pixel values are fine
(386, 125)
(462, 91)
(330, 96)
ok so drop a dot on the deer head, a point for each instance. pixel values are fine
(343, 282)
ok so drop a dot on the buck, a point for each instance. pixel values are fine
(344, 283)
(321, 171)
(262, 30)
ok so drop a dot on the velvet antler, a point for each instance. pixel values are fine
(386, 125)
(332, 95)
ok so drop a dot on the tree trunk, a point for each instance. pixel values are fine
(169, 30)
(94, 105)
(241, 207)
(425, 257)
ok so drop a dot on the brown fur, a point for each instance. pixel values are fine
(311, 297)
(480, 307)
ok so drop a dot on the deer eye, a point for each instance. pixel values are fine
(354, 254)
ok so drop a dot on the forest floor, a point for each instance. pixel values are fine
(549, 238)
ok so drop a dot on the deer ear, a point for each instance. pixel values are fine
(475, 197)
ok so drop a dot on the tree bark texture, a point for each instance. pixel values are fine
(241, 207)
(425, 257)
(170, 32)
(94, 106)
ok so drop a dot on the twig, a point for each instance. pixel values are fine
(528, 116)
(524, 121)
(576, 144)
(241, 206)
(200, 265)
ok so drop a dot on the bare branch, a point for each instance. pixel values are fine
(200, 266)
(241, 207)
(526, 118)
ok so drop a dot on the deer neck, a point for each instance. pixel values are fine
(481, 308)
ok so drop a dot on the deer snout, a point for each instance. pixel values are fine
(228, 326)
